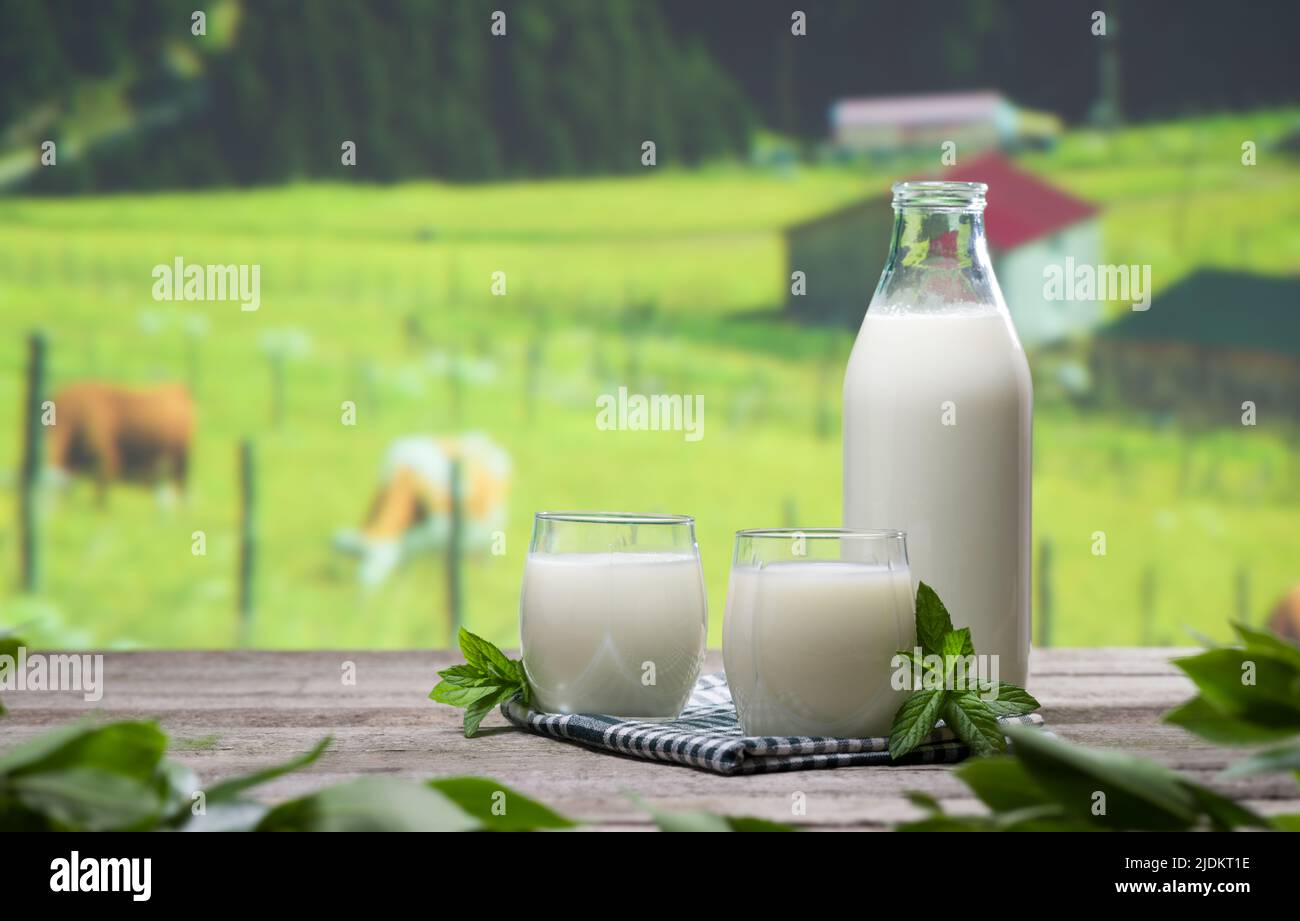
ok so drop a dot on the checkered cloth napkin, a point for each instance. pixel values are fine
(708, 736)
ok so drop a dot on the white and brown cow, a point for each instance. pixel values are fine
(411, 508)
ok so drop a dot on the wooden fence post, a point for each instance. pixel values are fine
(30, 470)
(247, 539)
(533, 374)
(454, 612)
(456, 385)
(1147, 602)
(1243, 594)
(277, 389)
(1045, 593)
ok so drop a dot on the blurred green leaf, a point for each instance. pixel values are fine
(1287, 822)
(1139, 794)
(1002, 784)
(1202, 718)
(371, 804)
(231, 788)
(1258, 641)
(1272, 700)
(8, 647)
(750, 824)
(176, 785)
(87, 798)
(498, 807)
(226, 815)
(1223, 813)
(1283, 758)
(130, 748)
(701, 820)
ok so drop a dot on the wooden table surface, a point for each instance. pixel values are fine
(231, 712)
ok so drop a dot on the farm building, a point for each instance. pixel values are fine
(1213, 341)
(975, 122)
(1029, 224)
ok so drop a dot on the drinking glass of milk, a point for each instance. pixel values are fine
(813, 620)
(613, 613)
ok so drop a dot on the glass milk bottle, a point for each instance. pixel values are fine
(938, 410)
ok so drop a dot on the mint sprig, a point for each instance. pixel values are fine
(965, 710)
(487, 679)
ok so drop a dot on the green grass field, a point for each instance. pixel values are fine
(349, 267)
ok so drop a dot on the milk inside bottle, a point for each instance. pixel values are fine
(938, 408)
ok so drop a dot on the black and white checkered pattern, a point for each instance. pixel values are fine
(708, 736)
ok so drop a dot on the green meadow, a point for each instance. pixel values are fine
(671, 282)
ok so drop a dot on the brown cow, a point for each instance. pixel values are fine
(121, 433)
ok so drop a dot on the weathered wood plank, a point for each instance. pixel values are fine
(235, 711)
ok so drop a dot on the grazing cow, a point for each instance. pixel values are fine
(411, 509)
(111, 432)
(1285, 620)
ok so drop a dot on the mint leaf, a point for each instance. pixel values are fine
(8, 647)
(1002, 784)
(932, 620)
(1289, 821)
(1202, 718)
(1223, 813)
(1268, 700)
(487, 678)
(498, 807)
(914, 721)
(84, 798)
(526, 692)
(132, 748)
(1267, 644)
(1140, 794)
(233, 786)
(371, 804)
(923, 801)
(480, 652)
(956, 642)
(974, 723)
(701, 820)
(1007, 699)
(475, 711)
(957, 646)
(468, 676)
(1283, 758)
(750, 823)
(455, 696)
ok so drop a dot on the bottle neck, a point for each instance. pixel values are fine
(938, 259)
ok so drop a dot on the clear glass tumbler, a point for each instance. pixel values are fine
(613, 613)
(814, 618)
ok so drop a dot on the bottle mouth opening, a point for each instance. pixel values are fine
(619, 518)
(946, 196)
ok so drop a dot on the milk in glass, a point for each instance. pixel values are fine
(810, 636)
(618, 631)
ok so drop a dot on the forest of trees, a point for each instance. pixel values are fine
(425, 89)
(422, 88)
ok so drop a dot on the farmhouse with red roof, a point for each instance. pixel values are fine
(1029, 224)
